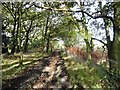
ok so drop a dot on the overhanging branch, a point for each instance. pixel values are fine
(68, 10)
(8, 9)
(99, 41)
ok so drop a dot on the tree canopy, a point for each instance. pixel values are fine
(27, 25)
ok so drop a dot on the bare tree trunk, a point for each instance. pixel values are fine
(46, 36)
(88, 46)
(27, 37)
(48, 43)
(13, 37)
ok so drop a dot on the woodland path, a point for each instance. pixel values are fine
(48, 73)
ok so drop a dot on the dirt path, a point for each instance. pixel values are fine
(48, 73)
(54, 75)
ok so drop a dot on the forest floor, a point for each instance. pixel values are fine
(47, 73)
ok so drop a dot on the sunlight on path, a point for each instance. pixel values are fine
(54, 75)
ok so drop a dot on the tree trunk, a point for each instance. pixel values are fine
(116, 53)
(45, 35)
(27, 38)
(114, 46)
(109, 44)
(88, 46)
(16, 38)
(13, 38)
(48, 43)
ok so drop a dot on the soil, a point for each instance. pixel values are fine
(49, 73)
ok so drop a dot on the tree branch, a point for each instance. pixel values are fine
(8, 9)
(99, 41)
(95, 17)
(68, 10)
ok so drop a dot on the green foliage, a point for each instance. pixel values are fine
(11, 63)
(35, 44)
(81, 73)
(91, 75)
(48, 27)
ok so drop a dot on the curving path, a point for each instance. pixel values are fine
(48, 73)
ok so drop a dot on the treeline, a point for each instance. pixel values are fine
(28, 24)
(25, 25)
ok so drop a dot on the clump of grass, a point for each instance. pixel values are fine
(81, 73)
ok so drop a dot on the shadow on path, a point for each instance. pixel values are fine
(32, 73)
(50, 72)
